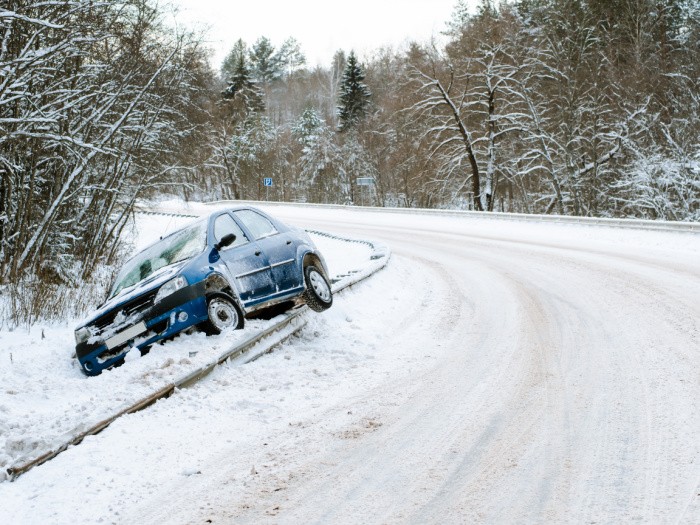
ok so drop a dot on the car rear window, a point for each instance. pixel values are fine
(258, 225)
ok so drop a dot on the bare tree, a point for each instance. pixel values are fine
(92, 104)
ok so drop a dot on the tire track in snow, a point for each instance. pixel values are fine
(605, 433)
(603, 446)
(626, 378)
(525, 383)
(404, 442)
(641, 362)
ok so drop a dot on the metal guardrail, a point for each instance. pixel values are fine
(254, 346)
(636, 224)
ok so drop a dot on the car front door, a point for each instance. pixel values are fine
(245, 260)
(279, 247)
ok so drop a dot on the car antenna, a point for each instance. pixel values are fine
(167, 226)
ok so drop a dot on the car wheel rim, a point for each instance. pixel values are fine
(222, 314)
(318, 283)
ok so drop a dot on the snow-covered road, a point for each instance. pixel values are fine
(566, 386)
(495, 372)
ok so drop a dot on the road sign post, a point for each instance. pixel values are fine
(267, 182)
(368, 182)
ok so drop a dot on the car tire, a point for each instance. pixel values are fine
(223, 314)
(318, 295)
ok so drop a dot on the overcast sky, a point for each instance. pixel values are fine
(321, 26)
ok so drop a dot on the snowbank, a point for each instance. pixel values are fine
(45, 399)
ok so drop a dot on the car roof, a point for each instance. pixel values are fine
(204, 218)
(238, 207)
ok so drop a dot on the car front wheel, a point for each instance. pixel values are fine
(223, 314)
(318, 295)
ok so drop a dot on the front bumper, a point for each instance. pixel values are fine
(174, 314)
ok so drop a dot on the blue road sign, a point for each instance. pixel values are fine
(267, 181)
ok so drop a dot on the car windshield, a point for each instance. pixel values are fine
(179, 246)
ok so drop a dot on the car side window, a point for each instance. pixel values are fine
(223, 225)
(258, 225)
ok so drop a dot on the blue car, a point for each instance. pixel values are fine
(211, 275)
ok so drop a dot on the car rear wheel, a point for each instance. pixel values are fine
(318, 295)
(223, 314)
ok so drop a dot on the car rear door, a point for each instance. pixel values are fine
(280, 248)
(245, 260)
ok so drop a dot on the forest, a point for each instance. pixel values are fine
(571, 107)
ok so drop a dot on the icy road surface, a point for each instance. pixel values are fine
(495, 372)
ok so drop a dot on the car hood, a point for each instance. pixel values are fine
(153, 281)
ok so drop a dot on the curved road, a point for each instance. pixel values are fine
(563, 385)
(494, 372)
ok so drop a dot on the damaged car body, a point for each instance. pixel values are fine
(210, 275)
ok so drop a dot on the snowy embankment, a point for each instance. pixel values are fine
(46, 400)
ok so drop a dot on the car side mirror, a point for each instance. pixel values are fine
(226, 240)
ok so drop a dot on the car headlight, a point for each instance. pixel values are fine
(172, 286)
(82, 335)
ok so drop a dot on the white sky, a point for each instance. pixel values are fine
(321, 26)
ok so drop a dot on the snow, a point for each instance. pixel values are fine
(494, 372)
(45, 399)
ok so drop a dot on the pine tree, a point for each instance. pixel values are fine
(306, 129)
(242, 89)
(354, 95)
(459, 20)
(265, 63)
(486, 9)
(240, 49)
(291, 57)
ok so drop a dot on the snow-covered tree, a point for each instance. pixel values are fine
(242, 153)
(94, 100)
(321, 161)
(230, 63)
(354, 95)
(459, 19)
(307, 129)
(265, 64)
(291, 57)
(242, 90)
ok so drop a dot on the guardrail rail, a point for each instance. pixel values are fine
(636, 224)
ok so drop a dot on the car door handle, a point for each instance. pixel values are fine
(258, 252)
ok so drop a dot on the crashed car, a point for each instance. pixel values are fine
(210, 274)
